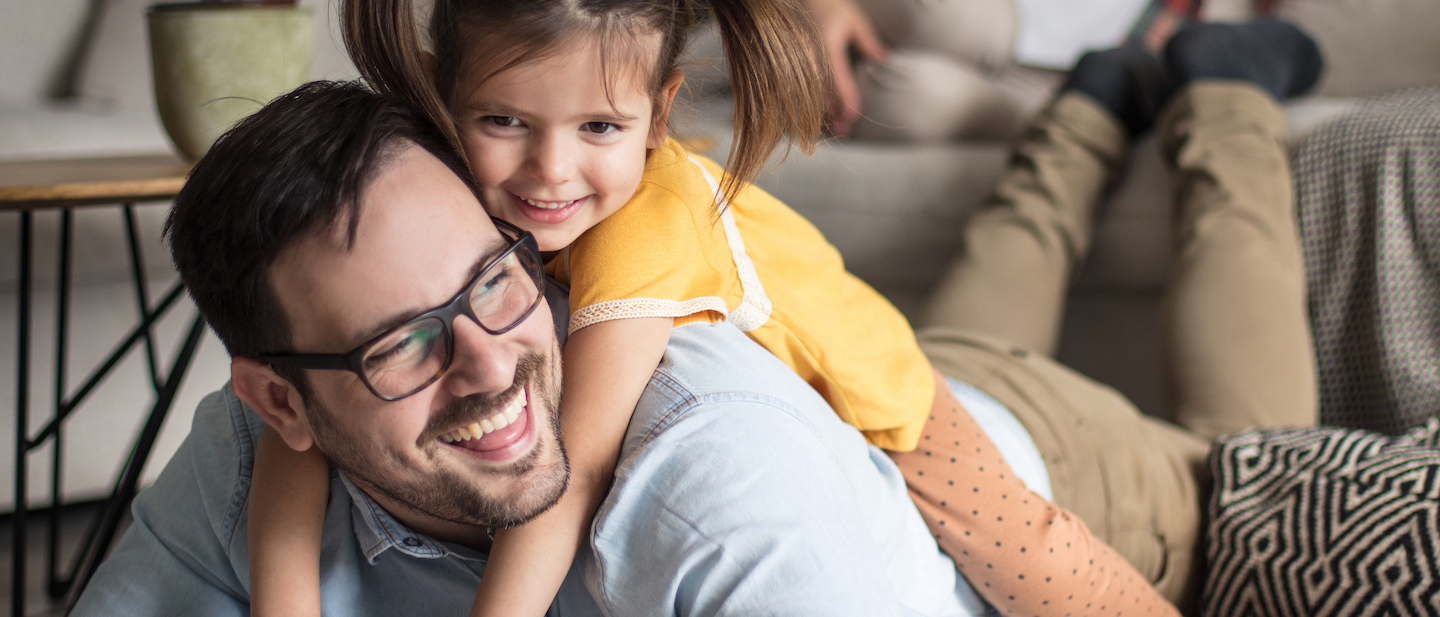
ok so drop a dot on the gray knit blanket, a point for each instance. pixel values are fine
(1368, 199)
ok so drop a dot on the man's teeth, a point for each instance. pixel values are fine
(491, 424)
(548, 205)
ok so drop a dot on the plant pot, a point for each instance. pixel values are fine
(217, 62)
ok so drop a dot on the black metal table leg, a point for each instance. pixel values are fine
(142, 290)
(103, 532)
(70, 582)
(22, 420)
(61, 186)
(62, 358)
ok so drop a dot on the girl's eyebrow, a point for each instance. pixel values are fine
(494, 109)
(613, 117)
(500, 109)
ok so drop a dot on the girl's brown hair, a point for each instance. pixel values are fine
(778, 70)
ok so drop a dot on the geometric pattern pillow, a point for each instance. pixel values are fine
(1324, 522)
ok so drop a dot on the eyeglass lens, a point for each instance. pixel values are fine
(411, 357)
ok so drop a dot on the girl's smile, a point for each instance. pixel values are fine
(548, 212)
(554, 147)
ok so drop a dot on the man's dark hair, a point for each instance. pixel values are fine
(295, 167)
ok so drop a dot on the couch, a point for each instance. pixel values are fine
(895, 209)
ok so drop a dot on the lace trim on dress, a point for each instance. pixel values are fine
(630, 308)
(755, 306)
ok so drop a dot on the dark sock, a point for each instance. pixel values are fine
(1129, 82)
(1274, 55)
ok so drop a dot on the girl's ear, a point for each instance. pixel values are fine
(662, 108)
(274, 398)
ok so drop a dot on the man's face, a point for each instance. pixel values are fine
(420, 238)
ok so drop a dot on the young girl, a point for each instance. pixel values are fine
(561, 112)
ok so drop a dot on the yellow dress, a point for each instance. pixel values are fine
(671, 252)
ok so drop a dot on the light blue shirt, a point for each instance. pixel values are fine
(738, 492)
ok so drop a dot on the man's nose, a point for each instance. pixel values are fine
(483, 363)
(552, 159)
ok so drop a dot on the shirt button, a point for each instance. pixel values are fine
(412, 542)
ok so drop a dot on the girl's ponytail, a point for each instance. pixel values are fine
(781, 81)
(778, 68)
(383, 42)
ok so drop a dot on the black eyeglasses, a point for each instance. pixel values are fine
(407, 358)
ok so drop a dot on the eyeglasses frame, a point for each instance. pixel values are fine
(447, 313)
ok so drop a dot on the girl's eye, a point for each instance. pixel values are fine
(600, 128)
(502, 120)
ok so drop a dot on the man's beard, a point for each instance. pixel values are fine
(447, 493)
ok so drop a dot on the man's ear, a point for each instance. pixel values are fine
(662, 108)
(274, 398)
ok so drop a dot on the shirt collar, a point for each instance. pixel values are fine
(377, 531)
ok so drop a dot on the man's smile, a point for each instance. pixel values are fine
(501, 436)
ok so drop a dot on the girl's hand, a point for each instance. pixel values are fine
(843, 25)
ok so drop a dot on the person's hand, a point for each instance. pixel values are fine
(843, 25)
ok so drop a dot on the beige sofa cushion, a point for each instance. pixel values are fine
(1372, 46)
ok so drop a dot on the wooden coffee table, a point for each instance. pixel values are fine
(63, 185)
(31, 185)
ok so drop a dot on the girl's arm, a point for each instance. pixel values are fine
(288, 494)
(606, 368)
(1022, 553)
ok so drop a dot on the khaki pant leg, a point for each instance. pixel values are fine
(1240, 353)
(1020, 251)
(1136, 482)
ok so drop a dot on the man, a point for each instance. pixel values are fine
(334, 229)
(738, 491)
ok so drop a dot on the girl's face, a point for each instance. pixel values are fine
(554, 154)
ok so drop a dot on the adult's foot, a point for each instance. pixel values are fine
(1128, 81)
(1272, 54)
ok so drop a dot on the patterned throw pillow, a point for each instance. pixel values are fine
(1325, 521)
